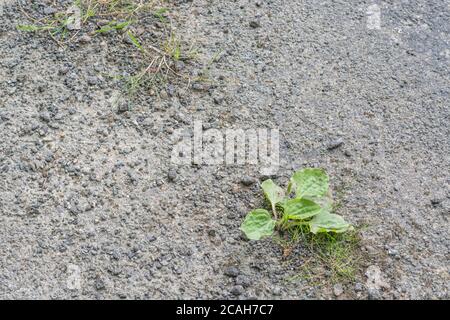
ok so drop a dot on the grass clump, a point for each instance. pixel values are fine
(65, 23)
(160, 66)
(154, 59)
(59, 25)
(331, 256)
(113, 8)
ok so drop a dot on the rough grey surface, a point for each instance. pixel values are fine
(88, 188)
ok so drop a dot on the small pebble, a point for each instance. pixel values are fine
(92, 81)
(276, 291)
(49, 10)
(435, 202)
(44, 116)
(247, 181)
(338, 289)
(218, 99)
(100, 284)
(171, 90)
(243, 281)
(200, 86)
(123, 107)
(179, 66)
(231, 272)
(172, 174)
(254, 24)
(358, 287)
(212, 233)
(335, 144)
(237, 290)
(85, 39)
(373, 294)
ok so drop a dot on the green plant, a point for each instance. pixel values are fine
(116, 8)
(156, 63)
(57, 25)
(135, 41)
(172, 47)
(310, 209)
(114, 25)
(160, 14)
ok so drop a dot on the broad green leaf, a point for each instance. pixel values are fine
(289, 187)
(272, 192)
(300, 209)
(326, 203)
(328, 222)
(258, 224)
(309, 183)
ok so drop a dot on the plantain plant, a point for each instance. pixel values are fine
(309, 207)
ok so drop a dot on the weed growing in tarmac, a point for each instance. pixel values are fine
(303, 215)
(310, 208)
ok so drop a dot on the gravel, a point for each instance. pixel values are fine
(237, 290)
(172, 174)
(248, 181)
(335, 144)
(232, 272)
(338, 289)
